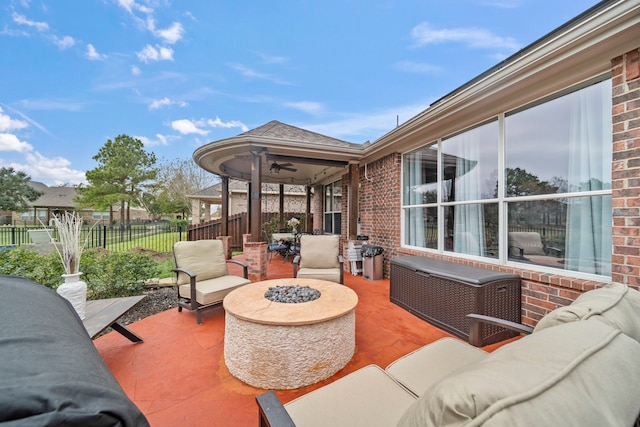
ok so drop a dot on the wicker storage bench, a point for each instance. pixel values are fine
(443, 293)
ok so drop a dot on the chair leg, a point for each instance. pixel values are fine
(199, 316)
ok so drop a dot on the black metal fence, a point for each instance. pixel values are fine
(158, 237)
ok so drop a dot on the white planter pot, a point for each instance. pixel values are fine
(74, 290)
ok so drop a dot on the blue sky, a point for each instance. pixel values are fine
(180, 74)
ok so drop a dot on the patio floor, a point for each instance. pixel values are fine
(178, 375)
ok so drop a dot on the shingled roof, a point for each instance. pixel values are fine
(279, 130)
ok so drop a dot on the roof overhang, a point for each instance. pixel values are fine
(572, 54)
(315, 163)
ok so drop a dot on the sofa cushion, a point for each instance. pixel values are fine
(319, 251)
(421, 368)
(213, 290)
(575, 374)
(330, 274)
(615, 304)
(188, 255)
(366, 397)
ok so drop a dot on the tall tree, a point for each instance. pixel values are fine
(123, 173)
(15, 191)
(180, 178)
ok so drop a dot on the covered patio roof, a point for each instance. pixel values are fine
(288, 155)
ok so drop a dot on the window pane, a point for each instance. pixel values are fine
(572, 234)
(470, 164)
(420, 176)
(472, 229)
(337, 196)
(421, 227)
(563, 145)
(327, 198)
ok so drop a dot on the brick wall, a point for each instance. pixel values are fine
(541, 292)
(626, 168)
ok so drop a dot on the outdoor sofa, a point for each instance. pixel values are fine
(50, 371)
(578, 367)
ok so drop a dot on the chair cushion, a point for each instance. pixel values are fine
(206, 258)
(530, 241)
(319, 251)
(421, 368)
(330, 274)
(366, 397)
(615, 304)
(213, 290)
(576, 374)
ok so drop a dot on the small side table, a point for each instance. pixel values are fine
(103, 313)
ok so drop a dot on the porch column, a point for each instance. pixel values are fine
(352, 203)
(224, 195)
(281, 207)
(256, 198)
(195, 211)
(308, 210)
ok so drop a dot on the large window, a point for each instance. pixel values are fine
(333, 207)
(532, 186)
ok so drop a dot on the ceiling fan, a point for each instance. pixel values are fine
(275, 168)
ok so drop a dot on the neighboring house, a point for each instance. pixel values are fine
(56, 200)
(547, 142)
(209, 200)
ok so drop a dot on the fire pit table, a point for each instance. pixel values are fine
(276, 345)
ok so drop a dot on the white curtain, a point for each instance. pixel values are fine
(589, 219)
(414, 183)
(468, 228)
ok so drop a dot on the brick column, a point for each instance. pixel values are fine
(256, 256)
(625, 263)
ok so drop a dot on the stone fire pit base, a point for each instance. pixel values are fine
(280, 346)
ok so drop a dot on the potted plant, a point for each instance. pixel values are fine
(70, 246)
(294, 223)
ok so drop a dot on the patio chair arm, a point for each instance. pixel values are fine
(271, 411)
(476, 319)
(185, 271)
(245, 267)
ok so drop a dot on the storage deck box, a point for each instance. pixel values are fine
(443, 293)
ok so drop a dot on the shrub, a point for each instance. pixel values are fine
(107, 274)
(117, 274)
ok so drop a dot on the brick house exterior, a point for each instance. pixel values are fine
(597, 48)
(542, 292)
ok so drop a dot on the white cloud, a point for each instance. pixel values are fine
(187, 127)
(217, 123)
(165, 102)
(306, 106)
(148, 142)
(416, 67)
(131, 6)
(157, 53)
(22, 20)
(8, 124)
(93, 54)
(64, 42)
(10, 142)
(56, 170)
(425, 34)
(135, 70)
(172, 34)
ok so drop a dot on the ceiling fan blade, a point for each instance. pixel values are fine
(287, 168)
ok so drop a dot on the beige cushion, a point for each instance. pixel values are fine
(319, 251)
(530, 241)
(575, 374)
(206, 258)
(367, 397)
(331, 274)
(421, 368)
(213, 290)
(615, 304)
